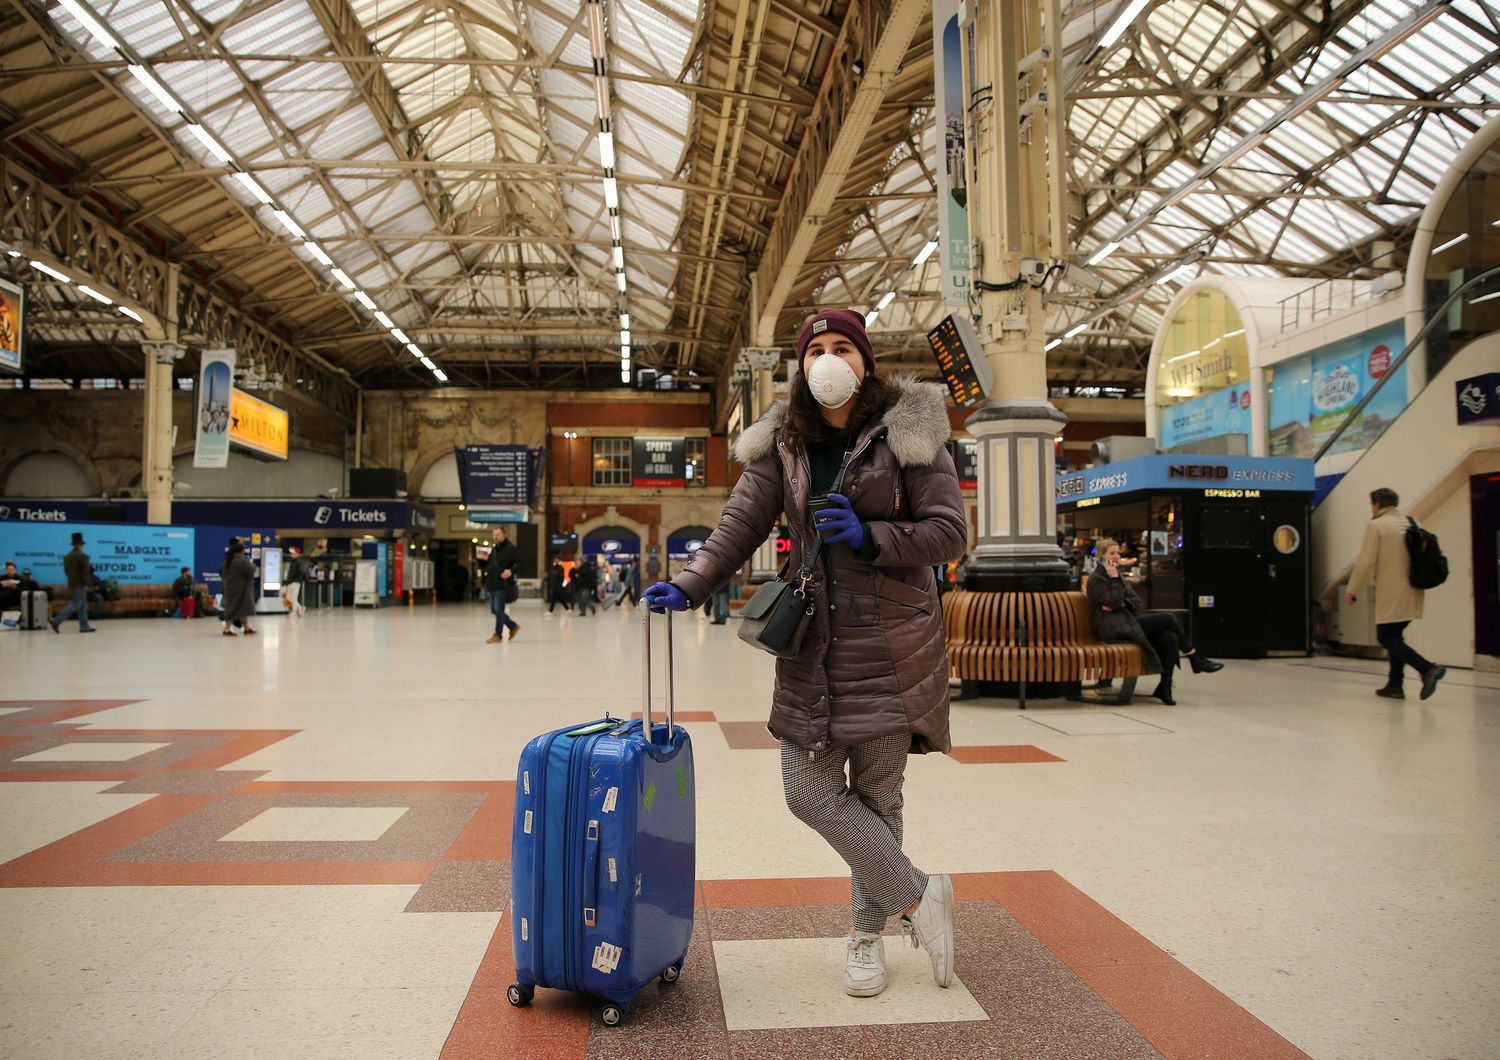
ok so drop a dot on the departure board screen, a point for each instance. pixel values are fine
(956, 347)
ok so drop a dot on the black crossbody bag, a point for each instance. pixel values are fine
(775, 619)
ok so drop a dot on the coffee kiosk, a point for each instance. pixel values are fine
(1219, 541)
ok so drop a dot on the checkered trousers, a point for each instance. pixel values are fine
(859, 814)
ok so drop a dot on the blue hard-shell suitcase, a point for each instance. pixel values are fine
(603, 855)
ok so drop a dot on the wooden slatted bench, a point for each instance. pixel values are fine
(1033, 638)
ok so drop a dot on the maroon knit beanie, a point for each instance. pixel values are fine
(845, 322)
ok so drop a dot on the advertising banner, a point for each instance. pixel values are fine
(952, 168)
(257, 425)
(1214, 414)
(132, 555)
(215, 393)
(12, 325)
(658, 462)
(1222, 476)
(1312, 394)
(495, 474)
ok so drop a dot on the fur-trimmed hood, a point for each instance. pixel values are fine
(916, 425)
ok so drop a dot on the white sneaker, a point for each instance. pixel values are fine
(932, 927)
(864, 970)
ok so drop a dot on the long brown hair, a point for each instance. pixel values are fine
(806, 426)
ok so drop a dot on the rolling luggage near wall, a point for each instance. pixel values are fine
(35, 610)
(603, 854)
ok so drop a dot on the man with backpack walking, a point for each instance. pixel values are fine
(1399, 558)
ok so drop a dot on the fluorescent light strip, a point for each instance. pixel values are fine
(252, 185)
(625, 321)
(1455, 241)
(427, 363)
(442, 376)
(617, 257)
(287, 223)
(624, 337)
(206, 138)
(885, 300)
(611, 193)
(343, 277)
(156, 88)
(620, 281)
(90, 23)
(1175, 276)
(624, 375)
(131, 313)
(399, 336)
(1076, 329)
(624, 353)
(607, 150)
(924, 253)
(95, 295)
(1484, 298)
(870, 317)
(1183, 356)
(412, 346)
(50, 271)
(1053, 344)
(1103, 252)
(365, 300)
(318, 252)
(384, 321)
(1121, 24)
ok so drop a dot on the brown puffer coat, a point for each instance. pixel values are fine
(873, 663)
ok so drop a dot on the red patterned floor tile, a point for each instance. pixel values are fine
(1001, 754)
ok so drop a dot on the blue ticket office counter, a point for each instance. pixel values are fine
(1221, 542)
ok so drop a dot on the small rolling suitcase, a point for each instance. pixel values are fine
(603, 855)
(35, 610)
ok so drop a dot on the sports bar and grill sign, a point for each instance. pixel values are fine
(658, 462)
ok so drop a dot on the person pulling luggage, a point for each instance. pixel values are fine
(869, 684)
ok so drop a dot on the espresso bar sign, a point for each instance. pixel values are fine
(658, 462)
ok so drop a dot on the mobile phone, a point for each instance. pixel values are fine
(815, 504)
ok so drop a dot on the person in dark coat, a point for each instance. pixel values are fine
(870, 683)
(499, 583)
(80, 574)
(586, 587)
(557, 585)
(1119, 617)
(238, 574)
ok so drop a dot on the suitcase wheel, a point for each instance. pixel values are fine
(518, 995)
(611, 1014)
(672, 974)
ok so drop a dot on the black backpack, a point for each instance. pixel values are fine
(1429, 567)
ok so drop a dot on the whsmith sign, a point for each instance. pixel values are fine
(1228, 476)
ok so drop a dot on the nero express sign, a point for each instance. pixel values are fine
(1158, 472)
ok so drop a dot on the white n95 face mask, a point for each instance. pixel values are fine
(831, 380)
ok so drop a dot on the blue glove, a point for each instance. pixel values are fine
(664, 596)
(838, 525)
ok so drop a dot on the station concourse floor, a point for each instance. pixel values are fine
(295, 845)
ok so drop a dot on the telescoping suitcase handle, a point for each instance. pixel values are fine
(646, 673)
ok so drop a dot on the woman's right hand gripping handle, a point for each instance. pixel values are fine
(664, 596)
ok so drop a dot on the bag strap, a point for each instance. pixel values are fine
(805, 574)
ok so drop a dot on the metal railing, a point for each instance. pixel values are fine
(1433, 318)
(1324, 299)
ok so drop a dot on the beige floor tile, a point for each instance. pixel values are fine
(317, 824)
(39, 812)
(92, 751)
(785, 983)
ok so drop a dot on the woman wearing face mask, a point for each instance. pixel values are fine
(870, 683)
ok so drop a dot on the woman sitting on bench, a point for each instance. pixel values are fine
(1119, 616)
